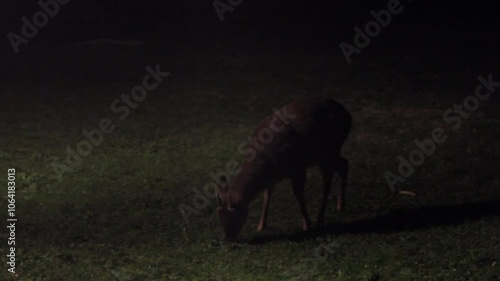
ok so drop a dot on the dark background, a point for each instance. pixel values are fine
(314, 20)
(444, 33)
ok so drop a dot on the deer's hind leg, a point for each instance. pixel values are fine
(327, 171)
(342, 166)
(298, 182)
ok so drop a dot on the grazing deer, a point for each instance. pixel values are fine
(306, 132)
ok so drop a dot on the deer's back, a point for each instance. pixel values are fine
(313, 130)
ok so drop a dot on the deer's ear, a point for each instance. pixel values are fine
(221, 192)
(219, 201)
(223, 183)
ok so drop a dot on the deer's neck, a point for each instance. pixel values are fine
(253, 178)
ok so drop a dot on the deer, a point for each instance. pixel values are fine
(306, 132)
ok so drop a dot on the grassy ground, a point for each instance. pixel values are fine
(116, 217)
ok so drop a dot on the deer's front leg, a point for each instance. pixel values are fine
(265, 209)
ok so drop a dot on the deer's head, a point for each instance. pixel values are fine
(232, 216)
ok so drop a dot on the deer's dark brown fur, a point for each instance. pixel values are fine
(306, 132)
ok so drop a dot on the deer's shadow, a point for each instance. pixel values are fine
(398, 220)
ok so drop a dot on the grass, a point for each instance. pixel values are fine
(117, 216)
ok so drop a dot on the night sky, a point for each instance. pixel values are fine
(165, 19)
